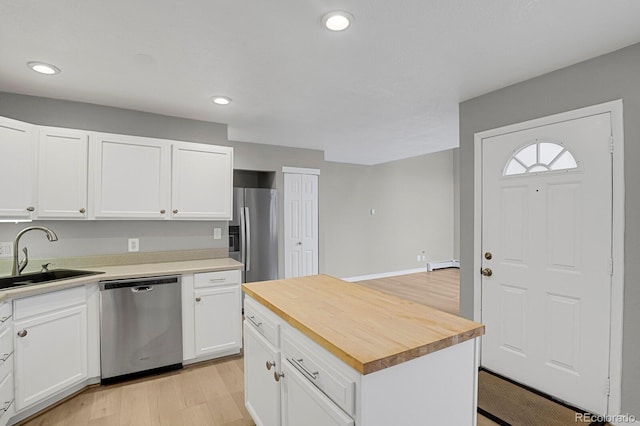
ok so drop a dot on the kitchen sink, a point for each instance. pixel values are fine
(43, 277)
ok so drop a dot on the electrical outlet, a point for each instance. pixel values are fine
(6, 249)
(134, 244)
(217, 233)
(418, 258)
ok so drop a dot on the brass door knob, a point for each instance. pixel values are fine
(82, 210)
(175, 211)
(30, 209)
(163, 211)
(22, 333)
(277, 376)
(198, 299)
(270, 364)
(487, 272)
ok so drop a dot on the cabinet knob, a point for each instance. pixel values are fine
(270, 364)
(487, 272)
(198, 299)
(277, 376)
(175, 211)
(82, 210)
(163, 211)
(22, 333)
(30, 209)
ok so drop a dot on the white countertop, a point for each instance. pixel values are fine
(125, 271)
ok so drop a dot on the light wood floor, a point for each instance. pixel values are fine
(212, 393)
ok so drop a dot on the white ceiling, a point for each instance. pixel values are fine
(386, 88)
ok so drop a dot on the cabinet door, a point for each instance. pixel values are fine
(17, 156)
(132, 177)
(304, 404)
(50, 354)
(261, 390)
(202, 178)
(217, 320)
(62, 173)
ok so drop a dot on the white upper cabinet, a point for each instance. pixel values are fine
(131, 177)
(201, 181)
(62, 174)
(17, 147)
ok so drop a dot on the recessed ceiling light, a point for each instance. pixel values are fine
(221, 100)
(43, 68)
(337, 20)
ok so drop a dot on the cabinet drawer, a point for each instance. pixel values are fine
(6, 345)
(266, 323)
(48, 302)
(320, 370)
(6, 392)
(214, 279)
(5, 312)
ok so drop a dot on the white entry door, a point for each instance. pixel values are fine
(300, 224)
(547, 258)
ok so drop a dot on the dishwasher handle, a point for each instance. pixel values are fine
(142, 289)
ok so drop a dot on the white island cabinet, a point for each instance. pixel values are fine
(347, 355)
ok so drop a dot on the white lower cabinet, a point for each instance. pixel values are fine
(304, 404)
(51, 344)
(262, 391)
(211, 315)
(7, 405)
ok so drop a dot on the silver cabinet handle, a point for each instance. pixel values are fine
(247, 221)
(5, 357)
(142, 289)
(30, 209)
(82, 210)
(270, 364)
(163, 211)
(175, 211)
(217, 280)
(253, 321)
(277, 376)
(22, 333)
(198, 299)
(297, 363)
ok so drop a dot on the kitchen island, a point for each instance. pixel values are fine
(322, 351)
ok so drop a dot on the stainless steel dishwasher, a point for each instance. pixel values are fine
(140, 326)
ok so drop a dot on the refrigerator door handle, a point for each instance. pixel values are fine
(247, 222)
(243, 245)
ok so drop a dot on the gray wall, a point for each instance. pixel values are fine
(606, 78)
(413, 202)
(413, 198)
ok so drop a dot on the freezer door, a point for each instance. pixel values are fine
(261, 229)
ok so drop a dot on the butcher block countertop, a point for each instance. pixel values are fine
(367, 329)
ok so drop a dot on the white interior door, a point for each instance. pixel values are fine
(546, 241)
(301, 224)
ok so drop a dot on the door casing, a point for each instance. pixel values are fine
(617, 286)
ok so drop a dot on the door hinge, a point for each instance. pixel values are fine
(611, 144)
(611, 266)
(607, 387)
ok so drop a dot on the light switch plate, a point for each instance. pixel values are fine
(6, 249)
(134, 244)
(217, 233)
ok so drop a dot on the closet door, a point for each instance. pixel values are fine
(301, 224)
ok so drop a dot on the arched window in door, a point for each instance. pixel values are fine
(540, 157)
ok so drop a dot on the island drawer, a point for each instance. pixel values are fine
(265, 322)
(321, 368)
(215, 279)
(5, 312)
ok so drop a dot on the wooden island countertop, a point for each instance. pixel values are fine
(367, 329)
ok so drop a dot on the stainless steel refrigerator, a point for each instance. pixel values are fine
(253, 233)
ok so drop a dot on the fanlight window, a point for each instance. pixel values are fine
(540, 157)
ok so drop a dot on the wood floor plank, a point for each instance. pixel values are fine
(165, 402)
(105, 403)
(134, 406)
(198, 415)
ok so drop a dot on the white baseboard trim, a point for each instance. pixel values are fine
(384, 275)
(443, 264)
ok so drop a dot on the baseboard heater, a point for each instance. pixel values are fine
(432, 266)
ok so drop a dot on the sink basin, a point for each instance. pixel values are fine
(43, 277)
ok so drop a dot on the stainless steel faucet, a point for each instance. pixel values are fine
(18, 266)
